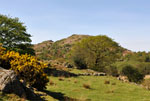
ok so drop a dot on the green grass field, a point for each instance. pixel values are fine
(99, 91)
(73, 89)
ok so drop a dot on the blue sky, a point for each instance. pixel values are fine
(126, 21)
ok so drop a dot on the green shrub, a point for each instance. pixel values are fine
(132, 73)
(112, 70)
(144, 68)
(79, 63)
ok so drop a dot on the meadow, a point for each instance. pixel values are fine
(101, 88)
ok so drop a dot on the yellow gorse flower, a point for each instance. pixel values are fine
(26, 66)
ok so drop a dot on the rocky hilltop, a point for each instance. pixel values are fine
(48, 50)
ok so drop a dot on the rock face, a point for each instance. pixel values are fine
(9, 83)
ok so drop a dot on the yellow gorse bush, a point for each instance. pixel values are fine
(1, 50)
(27, 67)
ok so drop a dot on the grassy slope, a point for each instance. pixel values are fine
(73, 88)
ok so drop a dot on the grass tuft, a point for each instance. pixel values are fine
(51, 83)
(61, 79)
(87, 86)
(75, 81)
(107, 82)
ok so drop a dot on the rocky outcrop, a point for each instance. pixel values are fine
(9, 83)
(93, 74)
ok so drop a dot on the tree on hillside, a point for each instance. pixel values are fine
(13, 35)
(95, 52)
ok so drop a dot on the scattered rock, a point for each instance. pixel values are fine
(147, 77)
(123, 78)
(93, 74)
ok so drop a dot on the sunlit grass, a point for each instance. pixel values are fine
(101, 88)
(99, 91)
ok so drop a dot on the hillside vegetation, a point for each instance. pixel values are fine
(52, 50)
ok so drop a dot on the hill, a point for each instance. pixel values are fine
(48, 50)
(42, 49)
